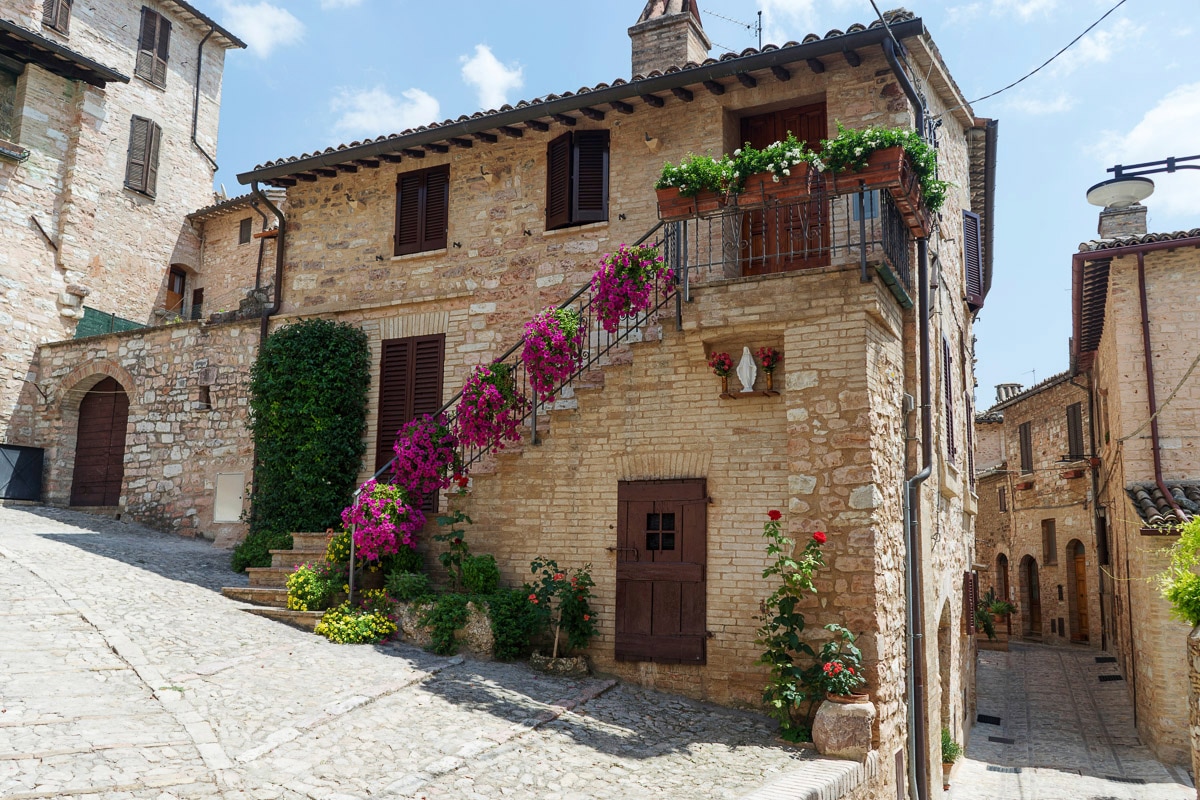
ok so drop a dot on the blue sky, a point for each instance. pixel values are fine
(320, 72)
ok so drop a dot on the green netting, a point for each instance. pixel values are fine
(96, 323)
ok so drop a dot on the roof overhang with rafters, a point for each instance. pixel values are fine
(198, 19)
(30, 47)
(770, 63)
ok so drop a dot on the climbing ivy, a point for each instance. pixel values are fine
(308, 410)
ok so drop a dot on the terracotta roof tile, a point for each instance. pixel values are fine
(1153, 507)
(1096, 245)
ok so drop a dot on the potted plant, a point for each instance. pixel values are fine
(551, 351)
(844, 723)
(490, 409)
(951, 750)
(625, 282)
(697, 185)
(383, 518)
(841, 667)
(768, 359)
(722, 366)
(988, 613)
(778, 171)
(562, 599)
(427, 456)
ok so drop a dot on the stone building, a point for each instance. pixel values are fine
(108, 130)
(1135, 344)
(1035, 530)
(445, 239)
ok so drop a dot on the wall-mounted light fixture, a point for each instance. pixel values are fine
(652, 143)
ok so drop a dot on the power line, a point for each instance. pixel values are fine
(1044, 64)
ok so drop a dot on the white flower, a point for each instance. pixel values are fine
(787, 172)
(775, 178)
(737, 152)
(858, 151)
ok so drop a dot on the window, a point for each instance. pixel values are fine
(56, 14)
(870, 205)
(1002, 498)
(577, 179)
(154, 43)
(1075, 432)
(948, 393)
(1025, 435)
(245, 230)
(204, 400)
(197, 304)
(8, 104)
(422, 210)
(973, 260)
(410, 384)
(176, 284)
(141, 162)
(1049, 546)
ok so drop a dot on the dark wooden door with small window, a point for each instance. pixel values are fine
(661, 563)
(794, 235)
(100, 446)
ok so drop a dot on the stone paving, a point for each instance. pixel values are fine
(1062, 733)
(124, 674)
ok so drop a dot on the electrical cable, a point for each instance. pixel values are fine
(1165, 403)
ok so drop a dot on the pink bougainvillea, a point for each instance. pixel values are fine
(490, 409)
(551, 353)
(383, 518)
(625, 281)
(426, 456)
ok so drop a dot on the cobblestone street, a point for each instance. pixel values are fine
(125, 674)
(1050, 729)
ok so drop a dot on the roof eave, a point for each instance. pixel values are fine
(223, 36)
(659, 83)
(80, 66)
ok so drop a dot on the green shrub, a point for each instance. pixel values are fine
(346, 625)
(696, 174)
(409, 586)
(1184, 596)
(308, 405)
(311, 587)
(337, 551)
(514, 622)
(406, 559)
(1179, 582)
(446, 615)
(480, 574)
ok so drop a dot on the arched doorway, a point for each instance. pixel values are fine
(1002, 578)
(100, 446)
(1077, 599)
(1031, 597)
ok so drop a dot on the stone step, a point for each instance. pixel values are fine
(269, 577)
(309, 541)
(305, 620)
(293, 558)
(257, 595)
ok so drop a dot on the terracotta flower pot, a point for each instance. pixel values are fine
(709, 201)
(946, 774)
(790, 187)
(673, 206)
(847, 699)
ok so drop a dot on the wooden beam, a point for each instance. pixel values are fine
(369, 163)
(347, 168)
(537, 125)
(306, 177)
(592, 113)
(284, 182)
(464, 143)
(490, 138)
(852, 57)
(392, 158)
(714, 87)
(747, 80)
(511, 132)
(624, 108)
(683, 94)
(437, 148)
(653, 100)
(565, 120)
(781, 73)
(325, 172)
(816, 65)
(411, 153)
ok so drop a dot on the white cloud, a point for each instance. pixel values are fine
(1167, 129)
(262, 25)
(787, 20)
(375, 112)
(1025, 9)
(328, 4)
(1098, 47)
(491, 79)
(1025, 104)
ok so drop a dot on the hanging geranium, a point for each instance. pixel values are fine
(623, 284)
(426, 456)
(551, 354)
(490, 409)
(383, 518)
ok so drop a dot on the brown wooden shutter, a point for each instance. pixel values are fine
(162, 51)
(1025, 435)
(408, 213)
(558, 182)
(589, 198)
(970, 600)
(948, 380)
(1075, 431)
(152, 145)
(436, 208)
(410, 384)
(970, 415)
(147, 38)
(57, 14)
(135, 159)
(973, 259)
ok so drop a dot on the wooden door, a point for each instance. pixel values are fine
(661, 558)
(1035, 597)
(794, 235)
(176, 282)
(100, 446)
(1080, 631)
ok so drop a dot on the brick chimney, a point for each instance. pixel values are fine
(1124, 221)
(668, 33)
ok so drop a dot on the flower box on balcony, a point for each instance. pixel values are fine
(891, 169)
(763, 186)
(672, 206)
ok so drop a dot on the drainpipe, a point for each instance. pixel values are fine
(196, 99)
(918, 740)
(1158, 478)
(277, 302)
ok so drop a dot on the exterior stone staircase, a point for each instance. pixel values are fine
(266, 595)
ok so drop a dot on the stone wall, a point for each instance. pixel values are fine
(229, 267)
(103, 245)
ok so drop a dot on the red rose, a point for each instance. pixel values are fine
(586, 617)
(819, 537)
(533, 598)
(774, 515)
(558, 576)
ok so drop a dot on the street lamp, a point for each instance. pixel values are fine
(1128, 186)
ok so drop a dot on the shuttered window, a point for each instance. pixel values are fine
(56, 14)
(970, 600)
(141, 165)
(973, 259)
(245, 230)
(577, 179)
(970, 420)
(154, 43)
(1002, 498)
(1075, 432)
(948, 393)
(1025, 437)
(422, 210)
(8, 103)
(410, 384)
(1049, 543)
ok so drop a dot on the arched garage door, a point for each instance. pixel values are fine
(100, 446)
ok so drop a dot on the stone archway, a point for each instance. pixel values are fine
(99, 467)
(63, 416)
